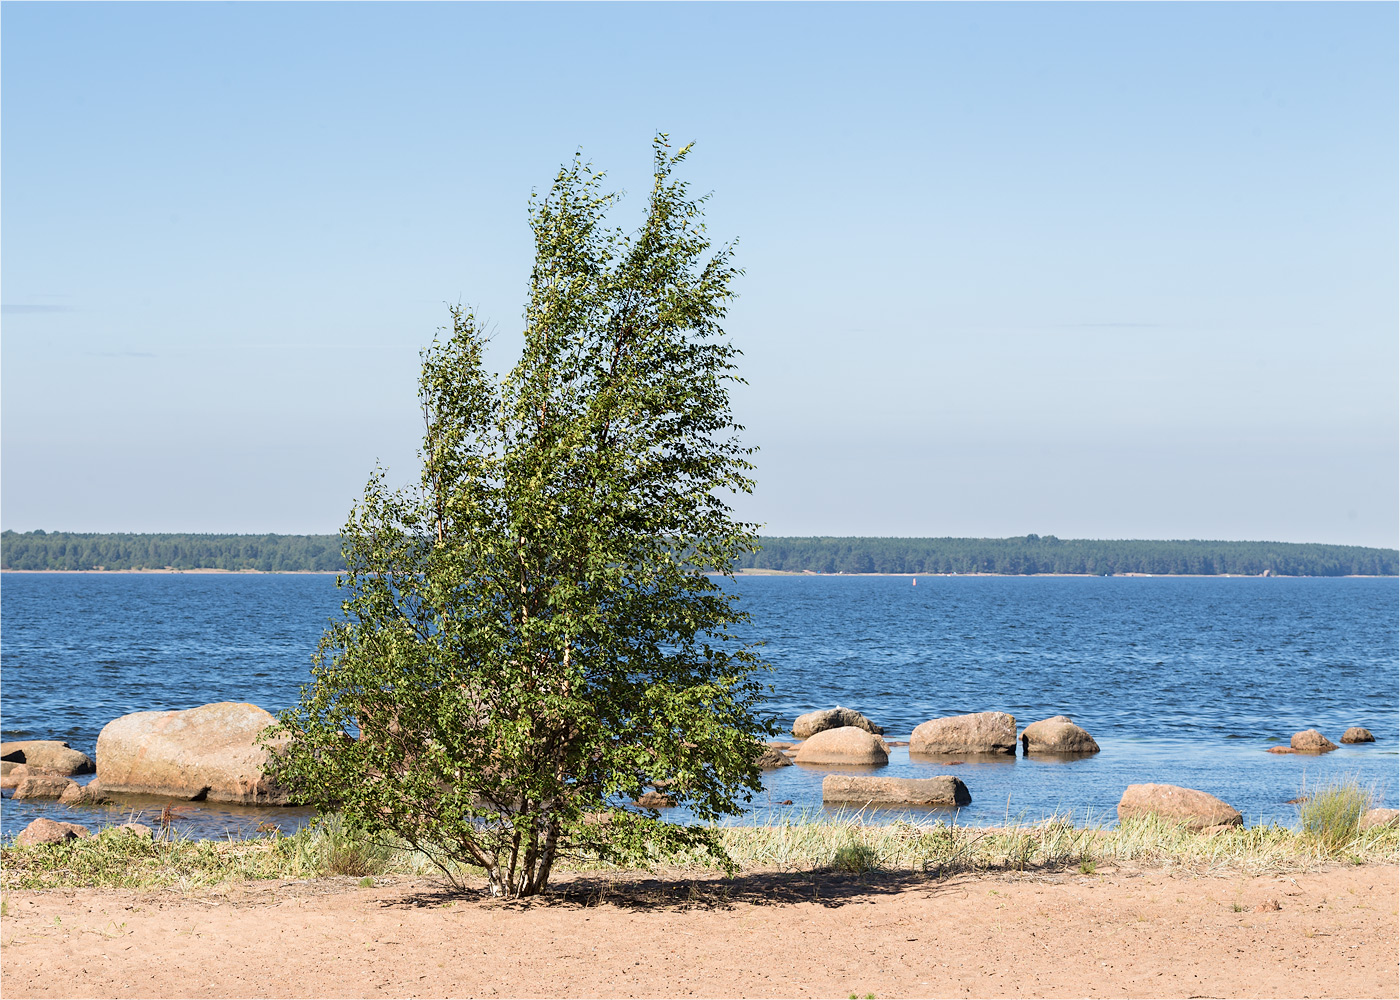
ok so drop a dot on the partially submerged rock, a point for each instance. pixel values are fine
(980, 732)
(91, 794)
(1190, 807)
(943, 790)
(1379, 817)
(832, 718)
(654, 800)
(1311, 741)
(773, 757)
(13, 774)
(43, 786)
(208, 753)
(847, 745)
(1356, 734)
(48, 756)
(1057, 735)
(46, 831)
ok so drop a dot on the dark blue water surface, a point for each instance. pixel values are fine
(1181, 680)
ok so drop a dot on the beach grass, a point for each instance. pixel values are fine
(1333, 812)
(1327, 835)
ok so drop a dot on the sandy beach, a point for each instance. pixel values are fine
(1118, 932)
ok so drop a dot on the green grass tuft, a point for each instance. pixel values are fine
(1332, 813)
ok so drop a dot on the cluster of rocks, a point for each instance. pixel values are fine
(213, 753)
(209, 753)
(44, 769)
(1311, 741)
(843, 737)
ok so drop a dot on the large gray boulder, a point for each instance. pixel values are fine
(1193, 809)
(943, 790)
(1311, 741)
(1357, 734)
(832, 718)
(980, 732)
(1057, 735)
(209, 753)
(46, 756)
(847, 745)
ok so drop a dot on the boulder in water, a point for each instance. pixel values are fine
(980, 732)
(1311, 741)
(1057, 735)
(46, 831)
(773, 757)
(1356, 734)
(846, 745)
(43, 786)
(210, 753)
(832, 718)
(1190, 807)
(90, 794)
(943, 790)
(47, 756)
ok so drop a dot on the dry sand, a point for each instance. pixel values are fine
(1119, 932)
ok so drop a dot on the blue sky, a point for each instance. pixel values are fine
(1089, 270)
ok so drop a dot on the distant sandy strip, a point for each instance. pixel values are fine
(1120, 932)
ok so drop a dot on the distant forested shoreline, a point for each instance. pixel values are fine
(1022, 555)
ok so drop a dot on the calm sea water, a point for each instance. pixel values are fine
(1184, 681)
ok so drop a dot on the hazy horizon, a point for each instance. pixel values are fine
(1096, 271)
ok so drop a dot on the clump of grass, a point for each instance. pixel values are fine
(1333, 812)
(855, 857)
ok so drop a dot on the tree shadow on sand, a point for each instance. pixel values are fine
(707, 892)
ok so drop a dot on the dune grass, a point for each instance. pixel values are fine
(1327, 834)
(1333, 812)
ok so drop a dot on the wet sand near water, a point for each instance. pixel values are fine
(1118, 932)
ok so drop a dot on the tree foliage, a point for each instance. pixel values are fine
(531, 636)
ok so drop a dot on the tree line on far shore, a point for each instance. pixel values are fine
(1022, 555)
(1032, 554)
(37, 550)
